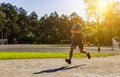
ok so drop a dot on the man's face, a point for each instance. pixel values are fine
(75, 20)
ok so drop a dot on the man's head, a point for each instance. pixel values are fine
(74, 17)
(75, 20)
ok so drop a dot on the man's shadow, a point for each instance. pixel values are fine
(58, 69)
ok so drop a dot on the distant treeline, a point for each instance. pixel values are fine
(20, 28)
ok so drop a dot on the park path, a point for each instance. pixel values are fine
(56, 67)
(47, 48)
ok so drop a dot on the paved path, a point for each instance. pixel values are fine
(57, 67)
(54, 48)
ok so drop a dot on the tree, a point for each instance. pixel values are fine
(106, 18)
(10, 28)
(2, 22)
(23, 23)
(65, 27)
(33, 27)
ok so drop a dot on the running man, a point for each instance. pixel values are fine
(76, 40)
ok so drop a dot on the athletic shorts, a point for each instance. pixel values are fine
(78, 43)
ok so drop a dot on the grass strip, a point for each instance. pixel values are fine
(40, 55)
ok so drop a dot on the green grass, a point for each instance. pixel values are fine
(39, 55)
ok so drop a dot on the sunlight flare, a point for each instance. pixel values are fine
(102, 3)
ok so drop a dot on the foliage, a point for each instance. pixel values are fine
(19, 27)
(22, 28)
(105, 21)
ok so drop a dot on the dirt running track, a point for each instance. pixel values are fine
(56, 67)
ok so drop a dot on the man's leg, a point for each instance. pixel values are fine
(81, 48)
(71, 52)
(73, 46)
(70, 55)
(87, 53)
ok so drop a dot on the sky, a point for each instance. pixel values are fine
(42, 7)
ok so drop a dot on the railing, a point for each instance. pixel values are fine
(3, 41)
(65, 41)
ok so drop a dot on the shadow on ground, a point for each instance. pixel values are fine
(58, 69)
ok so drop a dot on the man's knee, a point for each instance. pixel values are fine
(82, 51)
(73, 47)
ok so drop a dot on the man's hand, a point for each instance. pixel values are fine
(72, 31)
(76, 32)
